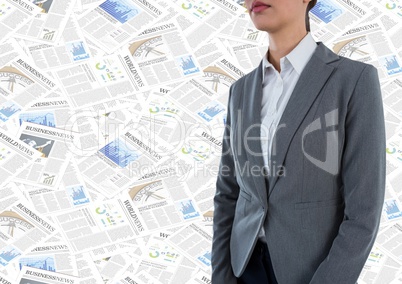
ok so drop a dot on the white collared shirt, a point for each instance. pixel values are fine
(276, 91)
(277, 88)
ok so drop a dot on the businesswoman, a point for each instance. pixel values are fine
(301, 181)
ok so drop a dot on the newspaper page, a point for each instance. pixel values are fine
(115, 267)
(370, 43)
(100, 224)
(55, 147)
(241, 29)
(164, 203)
(123, 160)
(248, 55)
(329, 18)
(14, 15)
(383, 13)
(388, 240)
(163, 262)
(142, 277)
(392, 98)
(379, 268)
(166, 120)
(114, 23)
(100, 80)
(87, 271)
(21, 229)
(163, 55)
(72, 193)
(9, 194)
(54, 257)
(175, 13)
(15, 156)
(201, 278)
(21, 84)
(51, 112)
(31, 275)
(194, 242)
(116, 249)
(209, 52)
(71, 49)
(49, 24)
(210, 17)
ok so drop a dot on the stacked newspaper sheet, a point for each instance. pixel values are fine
(111, 124)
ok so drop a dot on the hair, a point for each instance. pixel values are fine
(310, 5)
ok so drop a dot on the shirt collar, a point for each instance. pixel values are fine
(298, 57)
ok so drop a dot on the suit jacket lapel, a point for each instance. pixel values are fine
(311, 81)
(251, 121)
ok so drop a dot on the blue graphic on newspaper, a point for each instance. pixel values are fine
(77, 50)
(327, 10)
(187, 209)
(7, 109)
(211, 110)
(45, 118)
(118, 152)
(44, 262)
(77, 194)
(8, 253)
(121, 10)
(187, 65)
(205, 258)
(392, 209)
(391, 64)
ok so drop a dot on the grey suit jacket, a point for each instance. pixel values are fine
(321, 204)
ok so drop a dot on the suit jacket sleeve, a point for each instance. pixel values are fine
(227, 192)
(363, 176)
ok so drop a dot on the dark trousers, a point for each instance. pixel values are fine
(259, 269)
